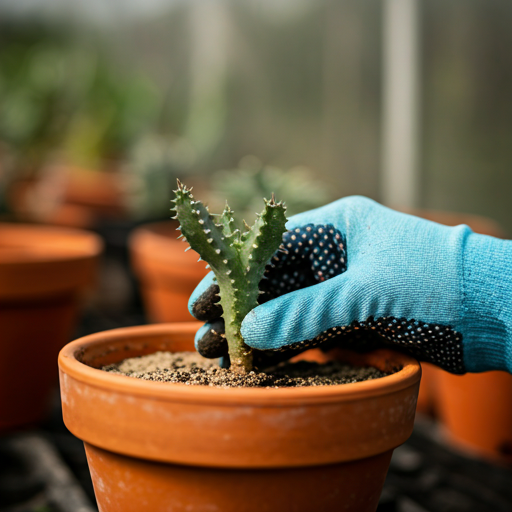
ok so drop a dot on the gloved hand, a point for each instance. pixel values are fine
(357, 273)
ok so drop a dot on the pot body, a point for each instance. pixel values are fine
(167, 274)
(476, 412)
(155, 447)
(427, 397)
(129, 484)
(42, 272)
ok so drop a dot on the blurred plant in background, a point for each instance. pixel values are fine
(150, 173)
(68, 112)
(58, 92)
(115, 111)
(41, 82)
(244, 187)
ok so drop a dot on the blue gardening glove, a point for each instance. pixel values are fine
(362, 275)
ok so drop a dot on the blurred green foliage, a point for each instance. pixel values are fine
(61, 94)
(244, 187)
(64, 99)
(150, 173)
(113, 114)
(37, 92)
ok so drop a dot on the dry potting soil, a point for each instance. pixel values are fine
(192, 369)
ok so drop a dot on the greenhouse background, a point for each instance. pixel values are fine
(291, 83)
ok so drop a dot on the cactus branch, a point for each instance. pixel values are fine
(237, 259)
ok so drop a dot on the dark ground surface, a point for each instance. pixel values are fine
(45, 469)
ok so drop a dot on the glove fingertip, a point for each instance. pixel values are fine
(210, 341)
(256, 331)
(200, 333)
(199, 290)
(203, 303)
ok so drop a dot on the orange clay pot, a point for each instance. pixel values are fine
(70, 196)
(42, 271)
(167, 274)
(154, 447)
(476, 411)
(427, 397)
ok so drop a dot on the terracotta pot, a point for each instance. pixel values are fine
(42, 271)
(476, 412)
(70, 197)
(156, 446)
(103, 192)
(167, 274)
(427, 397)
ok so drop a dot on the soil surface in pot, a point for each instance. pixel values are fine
(192, 369)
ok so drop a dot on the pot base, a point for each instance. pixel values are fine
(140, 486)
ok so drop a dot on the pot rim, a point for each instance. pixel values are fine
(70, 364)
(48, 240)
(156, 253)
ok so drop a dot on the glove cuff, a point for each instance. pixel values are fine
(487, 303)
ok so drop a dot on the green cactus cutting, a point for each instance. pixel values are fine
(238, 259)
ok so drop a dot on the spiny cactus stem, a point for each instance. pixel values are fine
(237, 259)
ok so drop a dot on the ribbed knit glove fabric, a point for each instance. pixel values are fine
(358, 274)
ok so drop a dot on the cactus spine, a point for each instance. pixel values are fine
(238, 259)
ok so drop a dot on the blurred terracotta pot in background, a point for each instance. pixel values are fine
(153, 444)
(43, 270)
(476, 412)
(167, 274)
(70, 196)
